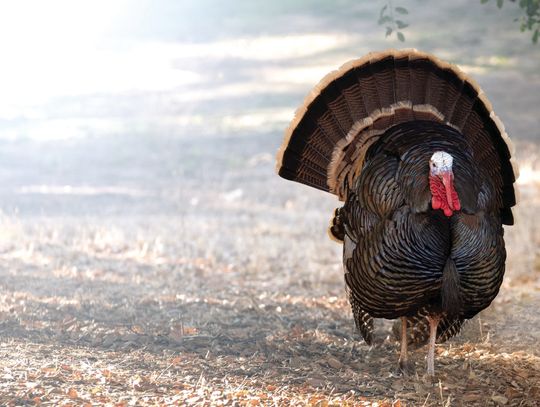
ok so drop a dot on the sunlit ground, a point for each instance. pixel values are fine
(148, 252)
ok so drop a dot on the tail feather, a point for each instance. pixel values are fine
(350, 108)
(419, 69)
(336, 229)
(385, 80)
(337, 104)
(463, 105)
(403, 78)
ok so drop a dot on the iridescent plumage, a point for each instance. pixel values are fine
(423, 165)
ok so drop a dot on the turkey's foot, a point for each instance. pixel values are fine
(406, 367)
(430, 379)
(379, 338)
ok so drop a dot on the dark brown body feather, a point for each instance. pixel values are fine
(396, 247)
(366, 133)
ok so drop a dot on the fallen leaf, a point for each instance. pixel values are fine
(472, 397)
(334, 363)
(511, 393)
(72, 393)
(397, 386)
(177, 360)
(189, 330)
(48, 369)
(315, 382)
(499, 399)
(106, 372)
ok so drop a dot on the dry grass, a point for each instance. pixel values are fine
(237, 300)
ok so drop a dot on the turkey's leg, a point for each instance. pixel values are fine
(403, 357)
(433, 322)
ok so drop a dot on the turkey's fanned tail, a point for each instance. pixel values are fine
(350, 108)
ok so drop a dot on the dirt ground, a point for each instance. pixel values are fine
(163, 261)
(233, 298)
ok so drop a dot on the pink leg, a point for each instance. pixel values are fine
(403, 357)
(433, 322)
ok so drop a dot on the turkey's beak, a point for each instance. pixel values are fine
(448, 182)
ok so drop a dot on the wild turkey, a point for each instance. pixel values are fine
(413, 148)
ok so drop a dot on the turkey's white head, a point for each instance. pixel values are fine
(441, 183)
(440, 162)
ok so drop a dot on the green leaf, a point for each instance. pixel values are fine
(535, 36)
(385, 19)
(500, 3)
(400, 36)
(532, 7)
(388, 31)
(383, 10)
(401, 24)
(402, 10)
(483, 1)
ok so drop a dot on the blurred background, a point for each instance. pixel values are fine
(113, 107)
(137, 150)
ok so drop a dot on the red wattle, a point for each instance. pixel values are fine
(443, 196)
(451, 195)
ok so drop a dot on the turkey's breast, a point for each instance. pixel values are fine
(396, 245)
